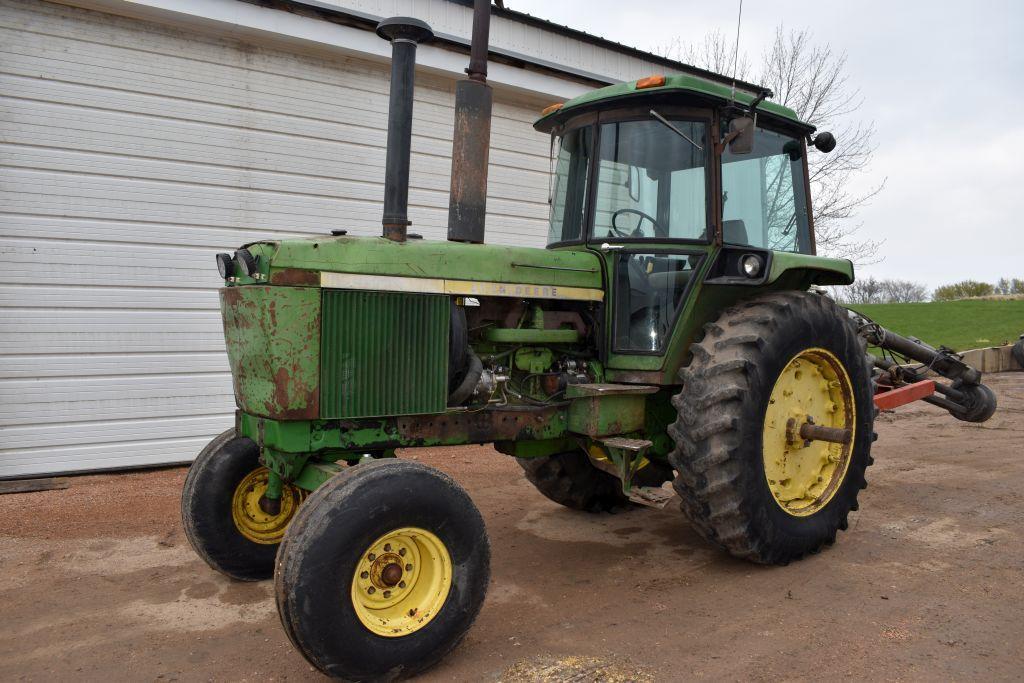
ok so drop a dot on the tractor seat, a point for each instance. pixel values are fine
(673, 279)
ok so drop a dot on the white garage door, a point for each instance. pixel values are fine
(131, 153)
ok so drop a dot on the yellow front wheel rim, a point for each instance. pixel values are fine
(250, 519)
(401, 582)
(802, 475)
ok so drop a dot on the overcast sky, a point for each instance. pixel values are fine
(944, 83)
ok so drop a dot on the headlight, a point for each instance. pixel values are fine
(248, 263)
(751, 265)
(225, 266)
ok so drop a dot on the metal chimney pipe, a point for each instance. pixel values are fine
(404, 33)
(467, 203)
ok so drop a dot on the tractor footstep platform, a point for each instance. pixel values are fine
(651, 496)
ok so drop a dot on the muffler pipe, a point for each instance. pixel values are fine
(467, 202)
(405, 33)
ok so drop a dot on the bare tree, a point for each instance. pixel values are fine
(715, 53)
(903, 291)
(862, 291)
(811, 79)
(872, 291)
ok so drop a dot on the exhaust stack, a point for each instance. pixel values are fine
(467, 204)
(405, 33)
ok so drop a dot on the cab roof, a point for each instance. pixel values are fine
(680, 83)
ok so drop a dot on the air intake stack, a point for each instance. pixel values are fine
(467, 204)
(405, 33)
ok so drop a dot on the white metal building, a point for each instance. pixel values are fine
(140, 137)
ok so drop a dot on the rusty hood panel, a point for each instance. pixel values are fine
(273, 343)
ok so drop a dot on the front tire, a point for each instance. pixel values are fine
(382, 572)
(748, 482)
(220, 512)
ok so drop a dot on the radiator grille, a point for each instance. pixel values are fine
(383, 353)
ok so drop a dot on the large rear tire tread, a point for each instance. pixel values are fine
(718, 432)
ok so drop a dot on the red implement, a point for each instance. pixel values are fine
(887, 399)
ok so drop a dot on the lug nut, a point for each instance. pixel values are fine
(401, 551)
(364, 575)
(387, 547)
(408, 567)
(387, 594)
(371, 557)
(371, 590)
(401, 584)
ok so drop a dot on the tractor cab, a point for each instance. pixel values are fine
(676, 182)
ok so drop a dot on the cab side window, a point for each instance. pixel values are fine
(649, 293)
(764, 200)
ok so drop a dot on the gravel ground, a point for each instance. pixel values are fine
(928, 583)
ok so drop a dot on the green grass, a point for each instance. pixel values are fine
(960, 325)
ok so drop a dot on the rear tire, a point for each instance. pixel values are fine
(571, 480)
(723, 419)
(330, 598)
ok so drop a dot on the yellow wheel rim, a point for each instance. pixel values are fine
(803, 475)
(401, 582)
(250, 519)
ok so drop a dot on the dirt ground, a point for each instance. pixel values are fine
(98, 581)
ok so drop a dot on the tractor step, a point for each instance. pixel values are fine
(625, 444)
(651, 496)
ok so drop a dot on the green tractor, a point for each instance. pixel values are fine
(667, 334)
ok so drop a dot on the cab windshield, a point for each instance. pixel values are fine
(651, 181)
(652, 185)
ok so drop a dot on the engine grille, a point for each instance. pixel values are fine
(383, 353)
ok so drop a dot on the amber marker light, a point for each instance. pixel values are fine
(550, 108)
(650, 82)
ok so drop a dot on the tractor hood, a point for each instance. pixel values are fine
(426, 266)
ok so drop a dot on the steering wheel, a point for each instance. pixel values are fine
(637, 232)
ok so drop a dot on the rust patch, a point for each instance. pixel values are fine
(288, 392)
(481, 426)
(295, 277)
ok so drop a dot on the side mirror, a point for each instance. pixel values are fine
(741, 135)
(824, 142)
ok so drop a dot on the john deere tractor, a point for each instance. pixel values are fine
(669, 332)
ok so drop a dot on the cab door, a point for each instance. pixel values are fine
(652, 222)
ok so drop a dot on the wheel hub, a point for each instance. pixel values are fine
(812, 397)
(401, 582)
(254, 518)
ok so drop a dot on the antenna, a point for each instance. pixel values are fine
(736, 51)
